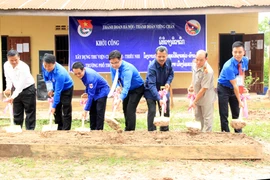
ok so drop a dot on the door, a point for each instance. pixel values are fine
(22, 45)
(225, 47)
(254, 46)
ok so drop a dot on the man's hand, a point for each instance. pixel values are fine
(190, 88)
(84, 115)
(50, 93)
(84, 96)
(52, 111)
(193, 105)
(118, 90)
(117, 102)
(161, 102)
(241, 104)
(7, 92)
(167, 87)
(9, 100)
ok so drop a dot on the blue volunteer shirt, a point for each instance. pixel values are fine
(157, 76)
(129, 78)
(96, 86)
(60, 79)
(230, 71)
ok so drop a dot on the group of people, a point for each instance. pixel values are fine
(230, 87)
(128, 86)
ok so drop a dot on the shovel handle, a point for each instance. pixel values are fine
(162, 110)
(163, 106)
(83, 119)
(51, 117)
(10, 113)
(113, 113)
(10, 109)
(240, 114)
(193, 113)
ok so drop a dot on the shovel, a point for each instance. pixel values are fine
(193, 126)
(12, 128)
(110, 119)
(51, 126)
(83, 102)
(82, 128)
(162, 121)
(112, 122)
(238, 123)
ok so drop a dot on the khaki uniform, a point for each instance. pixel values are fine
(204, 78)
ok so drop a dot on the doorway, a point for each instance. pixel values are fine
(21, 44)
(4, 59)
(225, 47)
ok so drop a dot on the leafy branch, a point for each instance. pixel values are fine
(251, 81)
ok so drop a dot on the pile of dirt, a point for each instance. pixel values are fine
(125, 138)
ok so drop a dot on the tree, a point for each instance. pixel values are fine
(264, 27)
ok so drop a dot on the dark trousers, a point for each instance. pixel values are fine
(25, 101)
(130, 104)
(152, 113)
(63, 110)
(226, 95)
(97, 113)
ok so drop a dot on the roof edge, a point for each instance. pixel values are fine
(153, 12)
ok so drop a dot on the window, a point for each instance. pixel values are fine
(61, 49)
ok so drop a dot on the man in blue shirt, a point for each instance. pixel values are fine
(59, 85)
(97, 90)
(160, 73)
(228, 82)
(132, 87)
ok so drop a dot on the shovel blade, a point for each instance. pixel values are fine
(238, 123)
(161, 121)
(13, 129)
(83, 129)
(193, 127)
(193, 124)
(112, 123)
(52, 127)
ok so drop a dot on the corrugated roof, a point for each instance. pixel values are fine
(124, 4)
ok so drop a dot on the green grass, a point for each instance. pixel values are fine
(23, 162)
(113, 161)
(258, 130)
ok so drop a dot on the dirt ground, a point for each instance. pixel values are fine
(126, 169)
(131, 169)
(125, 138)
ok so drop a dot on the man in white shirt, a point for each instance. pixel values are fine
(23, 98)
